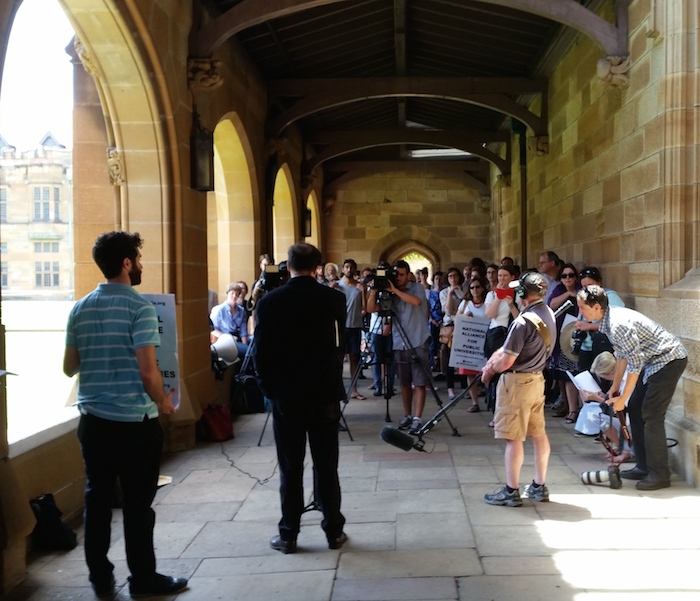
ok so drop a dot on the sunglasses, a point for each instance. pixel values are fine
(568, 275)
(475, 287)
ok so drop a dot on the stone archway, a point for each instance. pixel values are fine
(405, 239)
(285, 217)
(140, 130)
(231, 208)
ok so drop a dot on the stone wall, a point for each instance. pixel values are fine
(443, 218)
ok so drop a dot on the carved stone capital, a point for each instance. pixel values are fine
(115, 166)
(503, 181)
(203, 74)
(275, 146)
(539, 145)
(614, 71)
(328, 203)
(85, 57)
(484, 203)
(308, 182)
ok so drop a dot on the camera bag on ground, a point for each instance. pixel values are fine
(50, 533)
(215, 424)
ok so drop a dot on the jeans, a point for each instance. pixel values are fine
(647, 410)
(381, 346)
(129, 452)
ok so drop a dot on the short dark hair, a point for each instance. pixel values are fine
(401, 264)
(303, 257)
(350, 262)
(552, 256)
(460, 275)
(591, 295)
(590, 272)
(111, 248)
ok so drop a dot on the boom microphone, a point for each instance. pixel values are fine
(397, 438)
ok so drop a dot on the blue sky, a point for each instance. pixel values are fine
(37, 80)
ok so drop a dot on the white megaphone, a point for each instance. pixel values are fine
(224, 348)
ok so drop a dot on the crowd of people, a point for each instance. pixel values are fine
(415, 353)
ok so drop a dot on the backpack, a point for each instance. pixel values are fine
(50, 533)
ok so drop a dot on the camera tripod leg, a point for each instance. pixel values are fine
(267, 419)
(416, 359)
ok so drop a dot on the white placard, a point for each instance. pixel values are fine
(584, 381)
(468, 342)
(166, 353)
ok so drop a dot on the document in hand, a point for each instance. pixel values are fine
(584, 381)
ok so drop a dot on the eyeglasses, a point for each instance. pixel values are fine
(568, 275)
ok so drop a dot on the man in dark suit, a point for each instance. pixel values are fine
(300, 328)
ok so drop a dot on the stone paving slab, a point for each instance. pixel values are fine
(387, 589)
(290, 586)
(409, 564)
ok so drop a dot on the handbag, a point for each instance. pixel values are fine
(215, 425)
(446, 333)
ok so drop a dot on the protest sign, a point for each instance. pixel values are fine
(468, 342)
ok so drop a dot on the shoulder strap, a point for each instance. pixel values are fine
(540, 326)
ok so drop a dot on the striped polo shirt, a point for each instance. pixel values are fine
(106, 327)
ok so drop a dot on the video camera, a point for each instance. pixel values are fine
(380, 280)
(273, 276)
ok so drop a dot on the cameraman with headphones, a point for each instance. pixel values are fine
(409, 306)
(520, 392)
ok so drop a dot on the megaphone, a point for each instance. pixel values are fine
(224, 349)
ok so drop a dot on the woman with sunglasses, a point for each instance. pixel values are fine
(474, 307)
(559, 363)
(450, 299)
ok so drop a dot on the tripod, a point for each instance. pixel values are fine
(385, 366)
(406, 442)
(414, 360)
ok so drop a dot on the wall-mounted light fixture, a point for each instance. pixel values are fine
(201, 156)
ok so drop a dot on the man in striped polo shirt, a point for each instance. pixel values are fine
(111, 341)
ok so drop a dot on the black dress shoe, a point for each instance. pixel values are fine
(156, 585)
(652, 484)
(285, 546)
(634, 474)
(378, 392)
(104, 588)
(336, 543)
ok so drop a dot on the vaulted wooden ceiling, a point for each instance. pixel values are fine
(368, 82)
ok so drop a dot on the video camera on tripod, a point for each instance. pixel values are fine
(379, 281)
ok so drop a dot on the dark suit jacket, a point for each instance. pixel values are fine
(299, 331)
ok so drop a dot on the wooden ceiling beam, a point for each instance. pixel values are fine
(449, 138)
(335, 150)
(317, 102)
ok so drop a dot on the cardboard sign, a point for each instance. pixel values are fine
(166, 353)
(468, 342)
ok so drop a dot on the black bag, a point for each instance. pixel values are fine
(495, 337)
(247, 396)
(50, 533)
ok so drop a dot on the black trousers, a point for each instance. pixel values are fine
(129, 451)
(647, 409)
(292, 422)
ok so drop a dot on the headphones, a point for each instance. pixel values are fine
(523, 288)
(521, 291)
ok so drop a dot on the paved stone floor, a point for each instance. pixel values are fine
(418, 526)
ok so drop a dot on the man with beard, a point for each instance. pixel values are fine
(410, 308)
(111, 341)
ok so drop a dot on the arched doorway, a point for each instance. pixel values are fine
(284, 220)
(231, 208)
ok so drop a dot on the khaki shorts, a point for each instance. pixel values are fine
(519, 406)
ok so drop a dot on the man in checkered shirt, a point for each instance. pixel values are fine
(655, 360)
